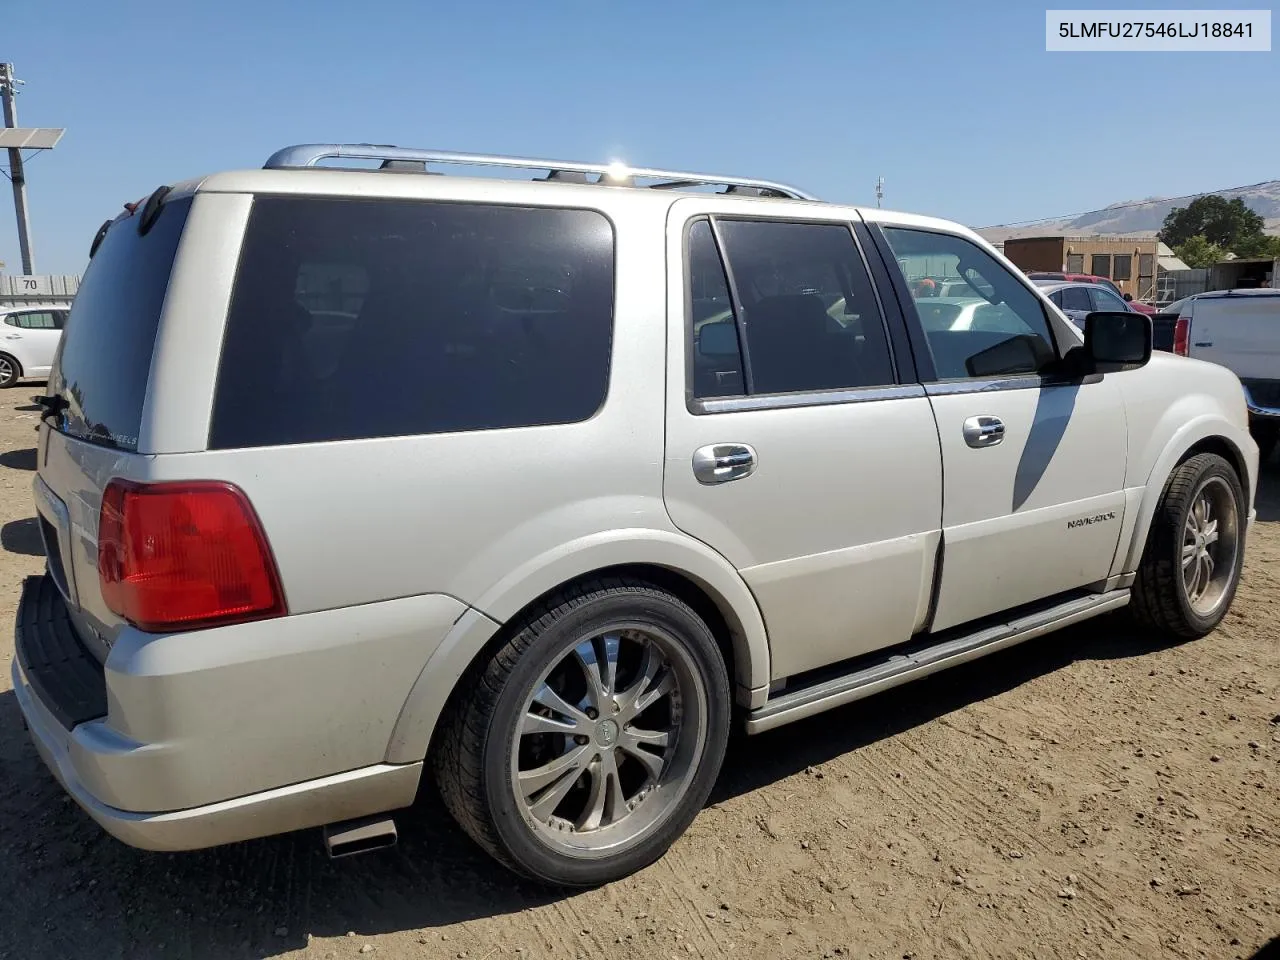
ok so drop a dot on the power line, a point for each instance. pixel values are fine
(1126, 206)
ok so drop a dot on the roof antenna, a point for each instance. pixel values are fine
(879, 190)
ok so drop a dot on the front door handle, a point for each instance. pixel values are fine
(722, 462)
(983, 431)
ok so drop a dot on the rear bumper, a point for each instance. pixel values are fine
(343, 796)
(197, 739)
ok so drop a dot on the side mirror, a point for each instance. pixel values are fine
(1116, 339)
(718, 339)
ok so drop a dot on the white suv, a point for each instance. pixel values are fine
(350, 475)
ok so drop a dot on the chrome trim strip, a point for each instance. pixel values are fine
(815, 398)
(946, 388)
(906, 667)
(309, 154)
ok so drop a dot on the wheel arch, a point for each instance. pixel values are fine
(1205, 435)
(684, 567)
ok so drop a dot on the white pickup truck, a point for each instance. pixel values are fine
(1240, 330)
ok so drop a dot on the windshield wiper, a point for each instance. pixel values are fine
(51, 407)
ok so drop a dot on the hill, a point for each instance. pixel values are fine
(1139, 217)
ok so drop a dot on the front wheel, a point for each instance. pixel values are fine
(586, 745)
(1195, 550)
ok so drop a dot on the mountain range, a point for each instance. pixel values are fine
(1139, 217)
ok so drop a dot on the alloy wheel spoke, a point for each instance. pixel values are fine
(606, 802)
(593, 812)
(1191, 577)
(1189, 553)
(598, 658)
(548, 698)
(537, 723)
(545, 786)
(652, 762)
(655, 693)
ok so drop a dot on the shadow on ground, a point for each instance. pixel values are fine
(231, 902)
(24, 459)
(69, 891)
(22, 536)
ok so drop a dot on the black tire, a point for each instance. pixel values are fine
(10, 371)
(474, 755)
(1160, 599)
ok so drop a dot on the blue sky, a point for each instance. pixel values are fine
(957, 105)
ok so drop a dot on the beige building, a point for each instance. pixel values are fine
(1132, 263)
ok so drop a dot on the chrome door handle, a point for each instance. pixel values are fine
(983, 431)
(722, 462)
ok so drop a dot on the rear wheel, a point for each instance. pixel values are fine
(1195, 550)
(585, 746)
(10, 370)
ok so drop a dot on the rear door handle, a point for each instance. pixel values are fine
(984, 431)
(722, 462)
(13, 336)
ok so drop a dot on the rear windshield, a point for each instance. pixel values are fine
(104, 358)
(378, 318)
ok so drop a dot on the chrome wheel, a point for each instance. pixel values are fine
(1210, 541)
(608, 740)
(7, 371)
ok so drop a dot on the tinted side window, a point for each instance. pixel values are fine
(809, 314)
(1106, 300)
(717, 356)
(1076, 298)
(379, 318)
(1001, 329)
(44, 320)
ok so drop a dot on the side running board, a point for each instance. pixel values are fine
(904, 667)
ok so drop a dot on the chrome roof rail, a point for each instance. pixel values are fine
(310, 154)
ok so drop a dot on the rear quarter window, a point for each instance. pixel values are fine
(374, 318)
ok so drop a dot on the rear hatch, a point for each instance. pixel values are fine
(94, 405)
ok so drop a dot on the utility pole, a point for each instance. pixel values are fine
(879, 190)
(16, 175)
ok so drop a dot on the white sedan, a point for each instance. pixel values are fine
(30, 339)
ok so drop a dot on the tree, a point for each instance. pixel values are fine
(1259, 246)
(1226, 223)
(1199, 252)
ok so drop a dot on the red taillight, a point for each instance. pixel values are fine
(175, 556)
(1182, 336)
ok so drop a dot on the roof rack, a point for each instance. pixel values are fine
(310, 154)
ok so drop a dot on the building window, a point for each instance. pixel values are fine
(1101, 265)
(1075, 263)
(1122, 268)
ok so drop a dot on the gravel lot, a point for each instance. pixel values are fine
(1082, 795)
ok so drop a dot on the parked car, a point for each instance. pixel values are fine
(1239, 329)
(1047, 277)
(1078, 300)
(30, 339)
(548, 557)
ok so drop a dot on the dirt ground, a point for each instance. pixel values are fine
(1083, 795)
